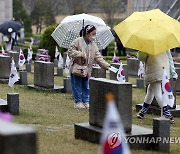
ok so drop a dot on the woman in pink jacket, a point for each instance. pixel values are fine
(84, 50)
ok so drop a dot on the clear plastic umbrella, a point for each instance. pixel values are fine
(70, 27)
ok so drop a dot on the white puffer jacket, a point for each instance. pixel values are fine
(154, 67)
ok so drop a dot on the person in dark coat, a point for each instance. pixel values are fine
(121, 49)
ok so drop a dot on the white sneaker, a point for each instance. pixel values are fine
(79, 105)
(86, 104)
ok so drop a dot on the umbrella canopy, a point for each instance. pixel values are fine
(86, 17)
(70, 27)
(151, 31)
(10, 26)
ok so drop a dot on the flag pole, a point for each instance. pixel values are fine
(13, 89)
(161, 112)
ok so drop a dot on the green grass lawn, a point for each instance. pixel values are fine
(53, 115)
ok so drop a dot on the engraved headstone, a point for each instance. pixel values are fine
(44, 74)
(133, 65)
(123, 98)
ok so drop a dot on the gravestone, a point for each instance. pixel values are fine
(23, 78)
(5, 67)
(15, 55)
(140, 83)
(13, 103)
(67, 85)
(122, 92)
(178, 80)
(59, 71)
(123, 98)
(16, 48)
(133, 66)
(28, 67)
(44, 74)
(44, 77)
(161, 130)
(55, 62)
(98, 72)
(17, 139)
(113, 76)
(3, 105)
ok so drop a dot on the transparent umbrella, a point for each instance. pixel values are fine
(70, 27)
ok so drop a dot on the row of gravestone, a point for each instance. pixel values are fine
(45, 71)
(131, 69)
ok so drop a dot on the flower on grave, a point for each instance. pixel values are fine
(43, 59)
(95, 65)
(128, 56)
(45, 52)
(6, 116)
(37, 41)
(115, 60)
(5, 54)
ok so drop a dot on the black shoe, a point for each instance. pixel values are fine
(170, 117)
(140, 115)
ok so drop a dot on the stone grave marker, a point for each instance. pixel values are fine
(132, 66)
(17, 139)
(98, 72)
(5, 68)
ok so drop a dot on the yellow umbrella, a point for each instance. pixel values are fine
(151, 31)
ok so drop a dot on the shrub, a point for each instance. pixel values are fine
(48, 42)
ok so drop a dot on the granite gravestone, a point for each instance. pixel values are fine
(123, 98)
(59, 71)
(67, 85)
(55, 62)
(23, 78)
(17, 139)
(140, 83)
(98, 72)
(44, 74)
(13, 103)
(5, 66)
(113, 76)
(133, 66)
(161, 131)
(28, 67)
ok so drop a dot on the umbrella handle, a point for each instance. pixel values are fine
(83, 24)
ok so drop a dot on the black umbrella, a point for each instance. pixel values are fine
(10, 26)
